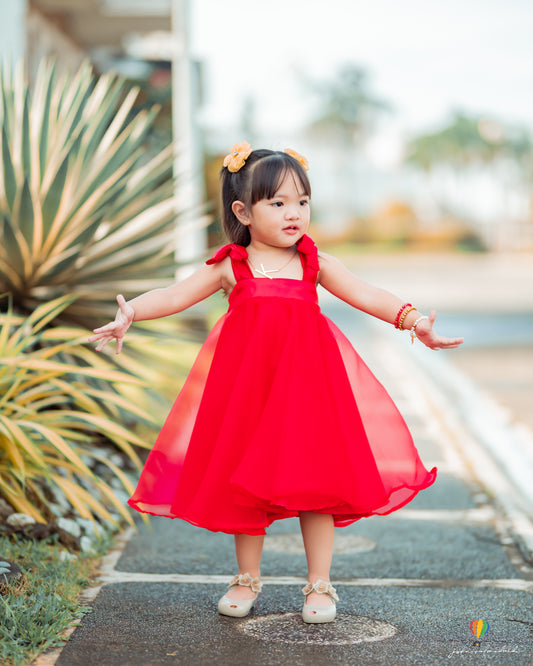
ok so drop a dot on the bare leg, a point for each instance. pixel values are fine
(248, 549)
(318, 533)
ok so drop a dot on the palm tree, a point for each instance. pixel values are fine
(347, 109)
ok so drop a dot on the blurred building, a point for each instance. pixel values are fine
(109, 32)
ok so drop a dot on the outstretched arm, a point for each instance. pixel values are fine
(338, 280)
(162, 302)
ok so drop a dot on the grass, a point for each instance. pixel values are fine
(37, 609)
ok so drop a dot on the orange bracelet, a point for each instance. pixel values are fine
(404, 315)
(399, 313)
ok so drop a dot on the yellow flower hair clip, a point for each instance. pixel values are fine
(299, 158)
(238, 156)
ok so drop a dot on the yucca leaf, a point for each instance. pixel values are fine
(54, 196)
(128, 485)
(115, 128)
(114, 501)
(103, 425)
(6, 321)
(25, 137)
(108, 375)
(42, 101)
(8, 171)
(11, 238)
(120, 401)
(58, 442)
(13, 453)
(75, 495)
(13, 431)
(15, 497)
(37, 320)
(24, 214)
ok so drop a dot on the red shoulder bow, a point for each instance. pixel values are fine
(307, 247)
(237, 252)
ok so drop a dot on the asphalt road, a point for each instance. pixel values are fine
(410, 584)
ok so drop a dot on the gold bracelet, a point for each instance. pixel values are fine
(404, 315)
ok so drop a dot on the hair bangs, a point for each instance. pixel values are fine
(269, 173)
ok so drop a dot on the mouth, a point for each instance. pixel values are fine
(292, 228)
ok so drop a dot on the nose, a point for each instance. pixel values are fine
(292, 213)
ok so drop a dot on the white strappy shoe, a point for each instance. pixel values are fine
(240, 607)
(318, 614)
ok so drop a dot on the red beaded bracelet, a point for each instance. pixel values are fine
(397, 320)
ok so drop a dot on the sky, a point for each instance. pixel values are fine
(425, 57)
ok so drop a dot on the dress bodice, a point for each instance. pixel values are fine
(249, 286)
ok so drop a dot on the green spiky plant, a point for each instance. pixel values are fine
(51, 419)
(82, 209)
(85, 214)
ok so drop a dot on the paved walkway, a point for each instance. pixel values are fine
(410, 583)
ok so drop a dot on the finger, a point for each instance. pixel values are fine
(103, 329)
(103, 343)
(122, 304)
(432, 316)
(98, 336)
(450, 344)
(119, 345)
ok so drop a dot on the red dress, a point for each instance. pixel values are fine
(279, 415)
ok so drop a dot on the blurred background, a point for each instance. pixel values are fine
(416, 118)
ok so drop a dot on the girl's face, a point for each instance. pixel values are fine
(282, 220)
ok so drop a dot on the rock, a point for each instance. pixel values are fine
(89, 527)
(57, 510)
(9, 571)
(70, 526)
(20, 520)
(110, 526)
(61, 498)
(39, 531)
(116, 484)
(5, 508)
(86, 544)
(117, 460)
(121, 495)
(87, 460)
(64, 555)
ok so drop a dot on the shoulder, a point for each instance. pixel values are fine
(331, 268)
(328, 261)
(220, 267)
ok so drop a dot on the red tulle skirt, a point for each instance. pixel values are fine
(279, 415)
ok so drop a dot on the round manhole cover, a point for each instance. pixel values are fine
(290, 628)
(293, 544)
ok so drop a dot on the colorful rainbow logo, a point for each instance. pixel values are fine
(479, 628)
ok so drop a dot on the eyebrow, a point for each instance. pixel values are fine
(286, 196)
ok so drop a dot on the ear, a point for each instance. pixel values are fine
(240, 212)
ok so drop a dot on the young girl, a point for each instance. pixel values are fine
(279, 416)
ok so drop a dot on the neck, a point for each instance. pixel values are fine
(257, 247)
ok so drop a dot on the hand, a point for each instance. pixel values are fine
(425, 333)
(115, 329)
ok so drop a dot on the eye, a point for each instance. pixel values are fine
(304, 202)
(277, 204)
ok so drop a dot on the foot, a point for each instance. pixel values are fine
(319, 605)
(240, 593)
(315, 599)
(243, 592)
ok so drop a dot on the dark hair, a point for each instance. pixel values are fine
(260, 178)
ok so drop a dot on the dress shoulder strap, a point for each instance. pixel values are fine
(309, 256)
(239, 257)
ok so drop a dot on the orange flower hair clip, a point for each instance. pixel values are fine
(238, 156)
(299, 158)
